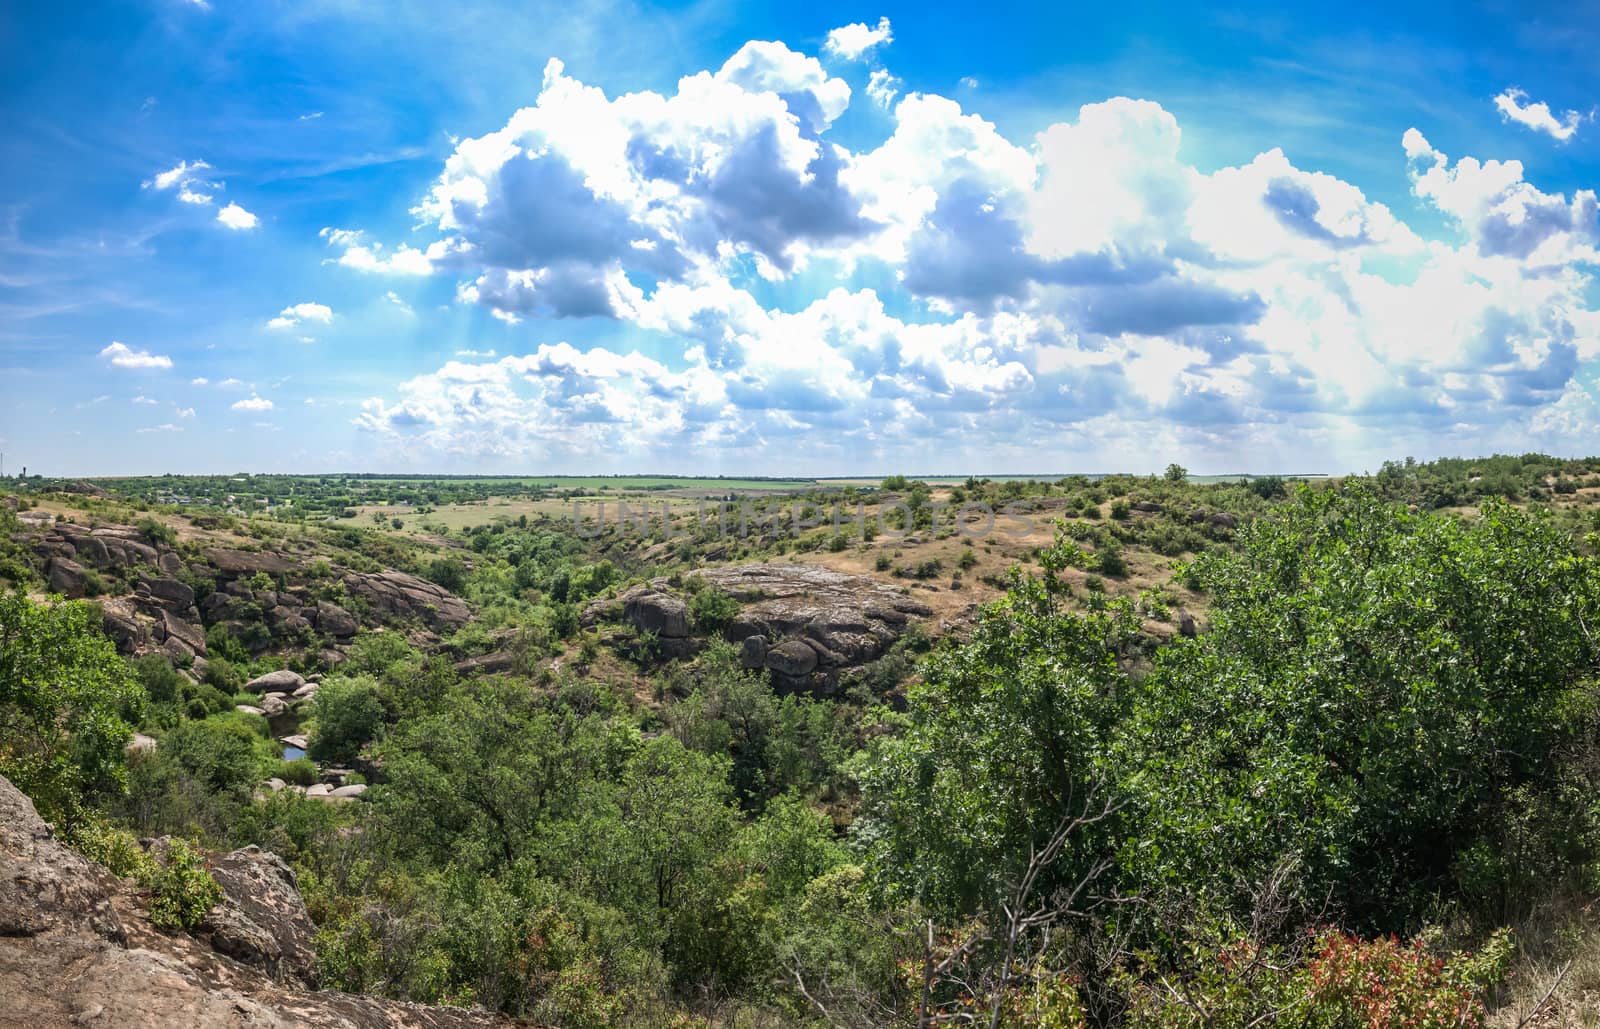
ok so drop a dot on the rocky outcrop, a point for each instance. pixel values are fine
(404, 596)
(847, 620)
(806, 624)
(76, 950)
(45, 887)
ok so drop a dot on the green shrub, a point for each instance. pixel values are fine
(712, 609)
(301, 771)
(112, 846)
(181, 890)
(347, 714)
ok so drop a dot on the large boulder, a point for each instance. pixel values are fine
(281, 681)
(129, 630)
(172, 626)
(753, 652)
(792, 659)
(261, 919)
(170, 592)
(68, 577)
(46, 886)
(650, 610)
(333, 620)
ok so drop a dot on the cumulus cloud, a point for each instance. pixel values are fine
(298, 314)
(142, 399)
(164, 427)
(237, 218)
(123, 356)
(1087, 287)
(1505, 215)
(579, 189)
(852, 41)
(199, 380)
(883, 87)
(1537, 116)
(252, 403)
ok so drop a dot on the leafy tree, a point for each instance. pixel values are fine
(347, 714)
(1007, 736)
(472, 782)
(66, 704)
(449, 572)
(1176, 473)
(226, 754)
(1375, 689)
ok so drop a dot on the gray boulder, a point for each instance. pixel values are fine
(261, 919)
(281, 681)
(650, 610)
(335, 620)
(792, 659)
(170, 592)
(753, 652)
(68, 577)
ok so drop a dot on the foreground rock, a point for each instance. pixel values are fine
(261, 919)
(76, 950)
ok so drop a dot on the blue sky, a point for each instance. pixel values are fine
(774, 239)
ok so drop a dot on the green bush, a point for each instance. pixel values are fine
(712, 609)
(225, 753)
(181, 890)
(299, 772)
(112, 846)
(347, 713)
(67, 706)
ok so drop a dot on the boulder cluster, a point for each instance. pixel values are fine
(805, 624)
(147, 589)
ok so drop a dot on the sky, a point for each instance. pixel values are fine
(795, 239)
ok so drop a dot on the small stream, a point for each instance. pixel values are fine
(286, 724)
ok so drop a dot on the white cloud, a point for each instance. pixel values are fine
(252, 403)
(164, 427)
(199, 380)
(313, 116)
(183, 412)
(229, 384)
(883, 87)
(142, 399)
(237, 218)
(398, 301)
(552, 207)
(851, 41)
(296, 314)
(1504, 215)
(123, 356)
(1089, 290)
(187, 178)
(1536, 116)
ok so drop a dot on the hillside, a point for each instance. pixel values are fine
(728, 762)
